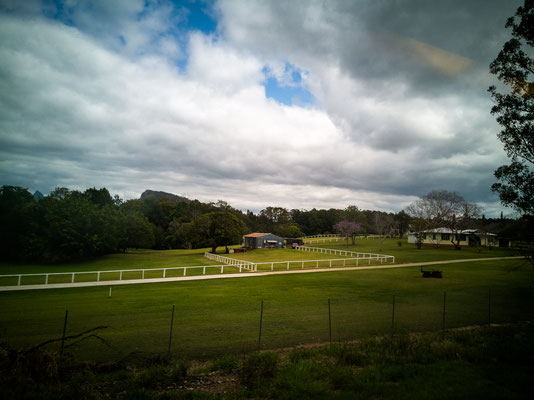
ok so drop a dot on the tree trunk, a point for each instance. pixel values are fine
(214, 249)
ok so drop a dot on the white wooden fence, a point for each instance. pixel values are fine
(326, 235)
(329, 239)
(230, 261)
(99, 274)
(354, 254)
(354, 257)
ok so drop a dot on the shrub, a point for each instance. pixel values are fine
(258, 368)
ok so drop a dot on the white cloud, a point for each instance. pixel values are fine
(84, 110)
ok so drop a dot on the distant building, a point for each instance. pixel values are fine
(467, 237)
(263, 241)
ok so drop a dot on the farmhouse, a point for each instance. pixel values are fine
(263, 241)
(467, 237)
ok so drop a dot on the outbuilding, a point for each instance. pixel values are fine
(263, 241)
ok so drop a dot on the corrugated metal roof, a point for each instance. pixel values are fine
(254, 235)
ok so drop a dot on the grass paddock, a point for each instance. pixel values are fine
(222, 316)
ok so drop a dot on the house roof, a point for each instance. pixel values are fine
(255, 235)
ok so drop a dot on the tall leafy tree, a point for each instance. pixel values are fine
(514, 111)
(216, 229)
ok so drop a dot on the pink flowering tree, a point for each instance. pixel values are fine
(348, 229)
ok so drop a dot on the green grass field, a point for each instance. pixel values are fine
(219, 316)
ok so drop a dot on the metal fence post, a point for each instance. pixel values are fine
(489, 306)
(170, 334)
(329, 322)
(444, 302)
(393, 316)
(64, 331)
(261, 320)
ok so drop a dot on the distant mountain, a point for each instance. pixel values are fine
(155, 195)
(38, 196)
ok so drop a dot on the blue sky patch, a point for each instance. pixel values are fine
(200, 15)
(288, 90)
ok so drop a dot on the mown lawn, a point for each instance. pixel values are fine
(132, 259)
(219, 316)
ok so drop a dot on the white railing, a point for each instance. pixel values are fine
(320, 236)
(330, 239)
(341, 262)
(73, 275)
(230, 261)
(355, 254)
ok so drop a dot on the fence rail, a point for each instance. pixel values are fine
(354, 258)
(99, 274)
(230, 261)
(357, 255)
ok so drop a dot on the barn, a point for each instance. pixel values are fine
(263, 241)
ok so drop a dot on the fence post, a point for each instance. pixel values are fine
(170, 334)
(444, 302)
(288, 265)
(393, 316)
(489, 306)
(20, 278)
(64, 331)
(261, 320)
(329, 323)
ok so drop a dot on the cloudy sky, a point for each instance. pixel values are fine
(298, 104)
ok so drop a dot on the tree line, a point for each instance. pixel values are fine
(74, 225)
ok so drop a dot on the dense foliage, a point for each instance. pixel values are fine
(514, 66)
(74, 225)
